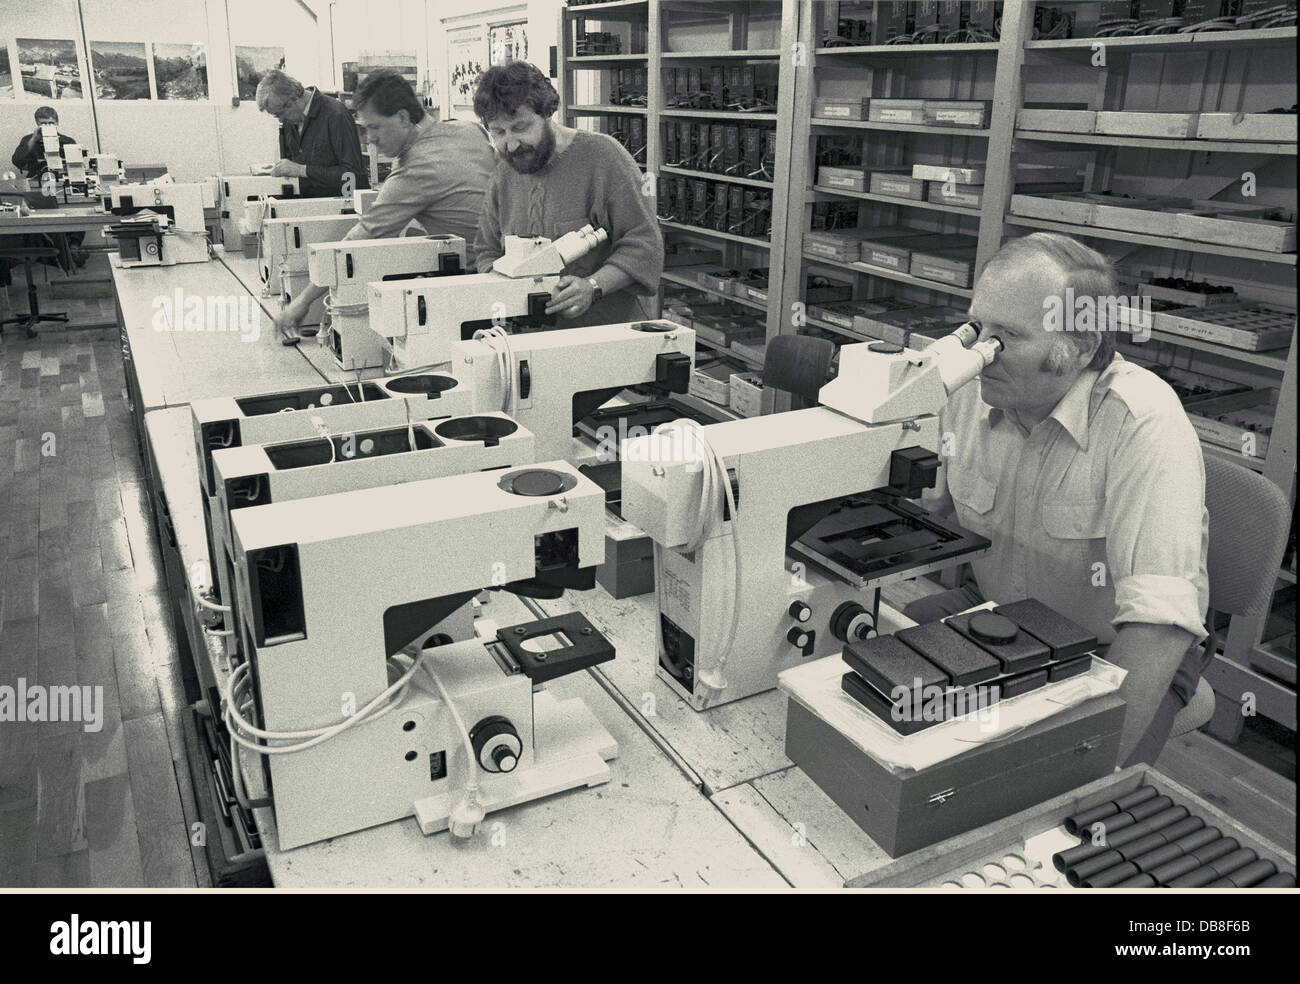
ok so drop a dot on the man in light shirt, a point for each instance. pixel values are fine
(439, 175)
(1085, 473)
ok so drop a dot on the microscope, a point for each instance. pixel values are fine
(304, 414)
(346, 268)
(786, 526)
(422, 323)
(285, 245)
(239, 189)
(161, 223)
(365, 712)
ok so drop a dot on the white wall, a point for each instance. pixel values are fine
(193, 138)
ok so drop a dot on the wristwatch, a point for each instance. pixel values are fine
(596, 292)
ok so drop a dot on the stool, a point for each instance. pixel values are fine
(33, 317)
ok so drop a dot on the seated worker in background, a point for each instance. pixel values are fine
(318, 140)
(551, 180)
(29, 157)
(439, 174)
(1085, 473)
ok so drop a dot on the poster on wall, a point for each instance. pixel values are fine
(467, 58)
(49, 68)
(251, 63)
(508, 42)
(181, 71)
(6, 75)
(119, 70)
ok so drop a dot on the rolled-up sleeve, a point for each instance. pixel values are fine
(638, 245)
(1157, 528)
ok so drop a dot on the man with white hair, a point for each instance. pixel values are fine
(318, 138)
(1085, 473)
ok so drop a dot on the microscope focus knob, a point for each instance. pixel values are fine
(851, 622)
(496, 743)
(797, 637)
(800, 611)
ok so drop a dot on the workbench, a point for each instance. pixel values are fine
(697, 799)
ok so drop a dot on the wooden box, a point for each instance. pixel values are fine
(1251, 327)
(896, 111)
(745, 393)
(1210, 225)
(945, 862)
(959, 196)
(896, 253)
(1173, 126)
(949, 172)
(908, 811)
(843, 313)
(947, 266)
(711, 382)
(717, 280)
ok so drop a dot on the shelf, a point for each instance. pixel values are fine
(613, 10)
(934, 50)
(1269, 360)
(1153, 143)
(1275, 661)
(946, 131)
(707, 406)
(890, 200)
(902, 278)
(729, 55)
(732, 353)
(603, 109)
(718, 114)
(581, 60)
(1164, 242)
(1253, 463)
(846, 332)
(673, 278)
(731, 237)
(728, 178)
(1286, 575)
(1272, 36)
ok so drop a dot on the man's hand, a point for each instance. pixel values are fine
(289, 169)
(572, 298)
(287, 322)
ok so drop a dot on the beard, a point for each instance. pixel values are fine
(530, 160)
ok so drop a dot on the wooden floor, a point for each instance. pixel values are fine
(81, 602)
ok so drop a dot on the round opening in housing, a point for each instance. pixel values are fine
(475, 428)
(536, 482)
(429, 384)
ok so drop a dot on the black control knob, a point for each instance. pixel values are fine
(851, 622)
(800, 611)
(797, 637)
(496, 743)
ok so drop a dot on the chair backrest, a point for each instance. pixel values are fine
(1249, 518)
(799, 365)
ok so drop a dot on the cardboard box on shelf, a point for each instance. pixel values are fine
(1057, 120)
(954, 266)
(896, 111)
(745, 393)
(1174, 126)
(1250, 327)
(957, 113)
(843, 178)
(842, 313)
(1270, 127)
(897, 182)
(841, 107)
(710, 379)
(955, 173)
(895, 253)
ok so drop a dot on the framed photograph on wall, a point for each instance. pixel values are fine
(508, 42)
(180, 70)
(119, 70)
(467, 59)
(6, 73)
(49, 68)
(251, 63)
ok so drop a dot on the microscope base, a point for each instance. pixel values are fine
(571, 748)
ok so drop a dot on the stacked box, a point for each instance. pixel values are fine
(1057, 120)
(718, 280)
(710, 380)
(1272, 127)
(837, 244)
(842, 313)
(897, 182)
(754, 286)
(895, 252)
(1251, 327)
(949, 172)
(898, 326)
(826, 290)
(959, 196)
(1174, 126)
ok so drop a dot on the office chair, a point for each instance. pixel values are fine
(798, 365)
(33, 317)
(1249, 519)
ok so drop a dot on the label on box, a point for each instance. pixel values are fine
(898, 115)
(834, 111)
(965, 117)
